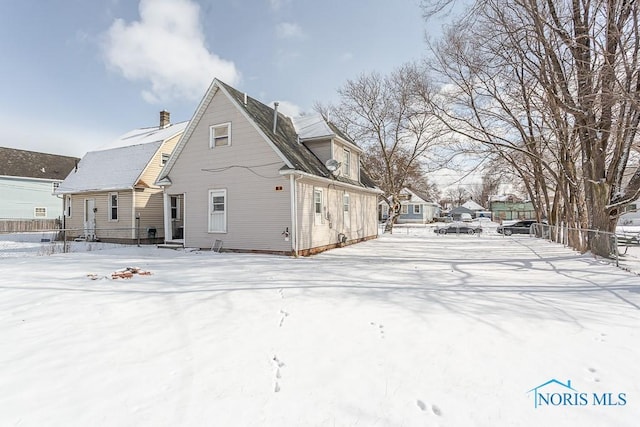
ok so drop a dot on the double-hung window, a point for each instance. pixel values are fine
(404, 209)
(220, 135)
(416, 209)
(318, 205)
(217, 211)
(113, 206)
(346, 210)
(40, 212)
(346, 162)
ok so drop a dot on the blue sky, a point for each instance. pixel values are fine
(76, 74)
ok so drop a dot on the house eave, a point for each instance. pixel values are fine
(286, 172)
(95, 190)
(165, 181)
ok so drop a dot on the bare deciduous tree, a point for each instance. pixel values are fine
(389, 117)
(553, 88)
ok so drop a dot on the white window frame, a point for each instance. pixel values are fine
(404, 209)
(346, 162)
(164, 158)
(217, 193)
(37, 209)
(54, 186)
(111, 207)
(175, 210)
(417, 209)
(318, 217)
(346, 210)
(212, 137)
(67, 210)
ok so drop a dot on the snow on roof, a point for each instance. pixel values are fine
(312, 127)
(146, 135)
(108, 170)
(118, 165)
(470, 204)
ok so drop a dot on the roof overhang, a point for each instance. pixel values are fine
(286, 172)
(165, 181)
(94, 190)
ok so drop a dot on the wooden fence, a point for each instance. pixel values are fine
(25, 225)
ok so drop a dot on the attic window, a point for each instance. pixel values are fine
(165, 159)
(346, 162)
(220, 135)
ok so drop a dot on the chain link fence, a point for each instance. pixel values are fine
(64, 240)
(623, 246)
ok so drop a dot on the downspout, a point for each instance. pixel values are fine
(133, 212)
(294, 215)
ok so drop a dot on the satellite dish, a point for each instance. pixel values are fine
(332, 165)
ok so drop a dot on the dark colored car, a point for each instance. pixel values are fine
(459, 228)
(519, 227)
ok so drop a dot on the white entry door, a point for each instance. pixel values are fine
(90, 219)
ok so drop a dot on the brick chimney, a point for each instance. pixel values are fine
(164, 119)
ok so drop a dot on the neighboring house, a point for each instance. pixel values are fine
(460, 212)
(255, 180)
(478, 210)
(414, 208)
(473, 206)
(27, 183)
(631, 214)
(510, 208)
(112, 195)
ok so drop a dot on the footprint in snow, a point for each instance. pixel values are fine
(277, 364)
(593, 371)
(283, 315)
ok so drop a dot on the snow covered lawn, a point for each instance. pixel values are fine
(413, 329)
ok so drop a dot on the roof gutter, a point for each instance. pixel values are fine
(331, 181)
(94, 190)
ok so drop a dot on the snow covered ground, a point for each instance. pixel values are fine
(412, 329)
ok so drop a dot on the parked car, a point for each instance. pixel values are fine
(459, 228)
(518, 227)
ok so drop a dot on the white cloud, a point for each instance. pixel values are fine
(289, 30)
(166, 48)
(288, 108)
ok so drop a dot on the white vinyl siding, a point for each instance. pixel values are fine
(220, 135)
(113, 206)
(217, 211)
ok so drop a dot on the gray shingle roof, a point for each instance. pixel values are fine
(285, 138)
(31, 164)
